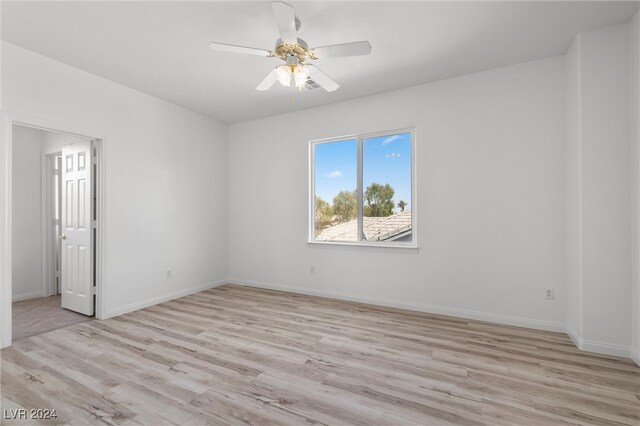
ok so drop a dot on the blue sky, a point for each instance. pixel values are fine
(386, 159)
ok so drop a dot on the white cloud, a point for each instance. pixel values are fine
(394, 155)
(390, 139)
(335, 174)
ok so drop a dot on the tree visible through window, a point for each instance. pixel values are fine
(335, 186)
(380, 209)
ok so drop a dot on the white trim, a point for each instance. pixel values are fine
(26, 296)
(101, 226)
(605, 348)
(420, 307)
(600, 347)
(397, 247)
(635, 356)
(311, 217)
(163, 298)
(360, 236)
(7, 120)
(5, 233)
(573, 336)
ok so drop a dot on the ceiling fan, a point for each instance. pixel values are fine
(295, 52)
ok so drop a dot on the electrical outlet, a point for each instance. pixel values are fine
(312, 270)
(549, 294)
(169, 273)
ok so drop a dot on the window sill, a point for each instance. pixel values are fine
(397, 248)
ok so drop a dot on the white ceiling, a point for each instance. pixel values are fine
(161, 47)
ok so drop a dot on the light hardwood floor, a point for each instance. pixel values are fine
(40, 315)
(240, 355)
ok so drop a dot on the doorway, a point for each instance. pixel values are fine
(54, 229)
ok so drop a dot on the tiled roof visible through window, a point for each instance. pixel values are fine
(375, 228)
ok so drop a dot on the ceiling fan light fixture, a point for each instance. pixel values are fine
(300, 76)
(284, 75)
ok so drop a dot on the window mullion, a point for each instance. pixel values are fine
(360, 191)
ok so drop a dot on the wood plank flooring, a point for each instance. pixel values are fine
(241, 355)
(40, 315)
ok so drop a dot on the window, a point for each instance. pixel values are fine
(362, 190)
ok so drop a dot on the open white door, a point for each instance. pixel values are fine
(77, 229)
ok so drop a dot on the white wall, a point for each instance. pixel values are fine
(26, 210)
(166, 178)
(491, 188)
(573, 191)
(56, 140)
(605, 185)
(26, 207)
(599, 184)
(634, 73)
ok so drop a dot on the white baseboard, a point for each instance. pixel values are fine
(455, 312)
(25, 296)
(601, 347)
(605, 348)
(635, 356)
(573, 336)
(159, 299)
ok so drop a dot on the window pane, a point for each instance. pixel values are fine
(335, 182)
(386, 180)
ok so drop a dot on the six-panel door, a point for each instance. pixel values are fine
(76, 228)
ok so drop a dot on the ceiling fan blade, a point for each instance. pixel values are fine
(238, 49)
(286, 19)
(322, 79)
(268, 81)
(357, 48)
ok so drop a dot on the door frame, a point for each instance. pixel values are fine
(48, 229)
(7, 120)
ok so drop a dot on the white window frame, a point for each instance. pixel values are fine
(359, 138)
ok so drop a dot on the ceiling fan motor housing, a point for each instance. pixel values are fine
(299, 50)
